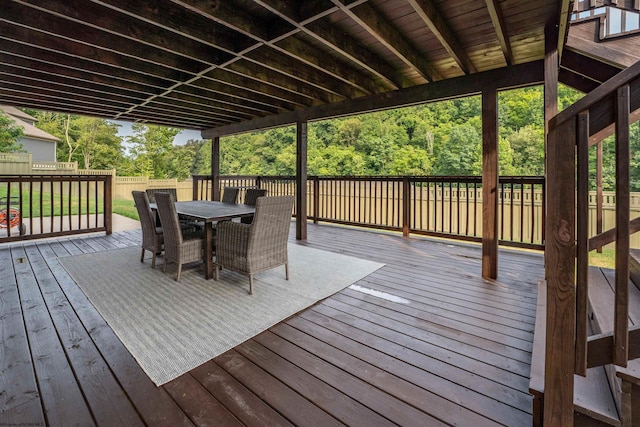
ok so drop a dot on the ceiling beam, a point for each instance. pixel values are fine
(380, 28)
(504, 78)
(283, 40)
(562, 22)
(576, 81)
(335, 40)
(497, 19)
(430, 15)
(586, 66)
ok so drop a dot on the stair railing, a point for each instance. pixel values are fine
(569, 349)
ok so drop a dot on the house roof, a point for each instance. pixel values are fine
(29, 130)
(204, 64)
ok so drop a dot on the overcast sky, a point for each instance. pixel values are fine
(125, 130)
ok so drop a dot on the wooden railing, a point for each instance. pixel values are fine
(569, 349)
(37, 206)
(436, 206)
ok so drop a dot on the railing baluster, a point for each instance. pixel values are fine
(582, 244)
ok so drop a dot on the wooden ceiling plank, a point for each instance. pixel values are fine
(504, 78)
(177, 113)
(212, 88)
(172, 17)
(145, 117)
(430, 15)
(284, 41)
(42, 103)
(380, 28)
(497, 18)
(310, 55)
(258, 87)
(35, 59)
(80, 56)
(280, 63)
(54, 91)
(35, 78)
(265, 76)
(162, 104)
(200, 99)
(107, 20)
(54, 96)
(336, 41)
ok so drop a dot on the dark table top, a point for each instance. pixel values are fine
(209, 211)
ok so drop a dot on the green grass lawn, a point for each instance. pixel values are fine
(32, 207)
(125, 208)
(607, 259)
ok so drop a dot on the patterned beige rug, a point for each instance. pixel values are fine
(171, 327)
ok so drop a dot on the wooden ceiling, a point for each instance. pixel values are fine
(203, 64)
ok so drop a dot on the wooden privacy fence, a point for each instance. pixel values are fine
(124, 185)
(438, 206)
(36, 206)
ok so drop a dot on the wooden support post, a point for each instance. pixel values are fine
(560, 249)
(621, 329)
(301, 180)
(215, 168)
(490, 183)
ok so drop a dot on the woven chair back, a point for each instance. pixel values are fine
(170, 224)
(147, 219)
(230, 194)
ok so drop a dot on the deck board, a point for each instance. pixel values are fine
(457, 351)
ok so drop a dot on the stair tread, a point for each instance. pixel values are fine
(592, 395)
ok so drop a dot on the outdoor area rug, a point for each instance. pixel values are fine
(172, 327)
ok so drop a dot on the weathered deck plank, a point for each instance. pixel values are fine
(458, 351)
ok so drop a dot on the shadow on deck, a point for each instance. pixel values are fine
(452, 349)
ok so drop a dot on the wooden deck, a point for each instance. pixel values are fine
(441, 346)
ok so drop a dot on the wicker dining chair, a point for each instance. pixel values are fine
(230, 194)
(152, 236)
(259, 246)
(178, 248)
(151, 193)
(250, 198)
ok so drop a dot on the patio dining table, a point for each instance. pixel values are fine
(210, 212)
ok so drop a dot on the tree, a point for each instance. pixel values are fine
(10, 132)
(150, 146)
(461, 152)
(98, 143)
(528, 150)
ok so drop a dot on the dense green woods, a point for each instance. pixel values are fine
(440, 138)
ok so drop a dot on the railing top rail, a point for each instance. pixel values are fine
(598, 94)
(39, 178)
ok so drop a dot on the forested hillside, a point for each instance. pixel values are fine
(441, 138)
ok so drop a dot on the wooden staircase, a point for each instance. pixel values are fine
(586, 355)
(608, 395)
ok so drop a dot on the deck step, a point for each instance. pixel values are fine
(593, 401)
(634, 267)
(601, 303)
